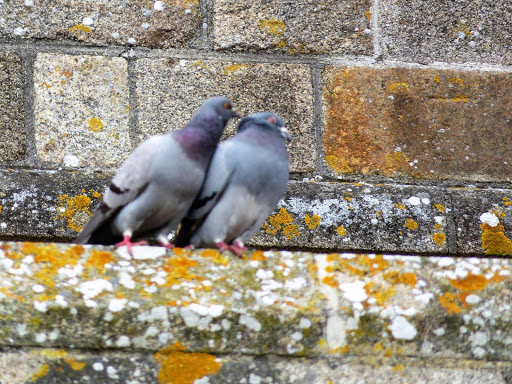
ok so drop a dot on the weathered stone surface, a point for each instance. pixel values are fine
(47, 205)
(101, 22)
(354, 216)
(12, 109)
(421, 123)
(294, 27)
(484, 220)
(68, 366)
(87, 297)
(378, 308)
(45, 366)
(462, 31)
(169, 91)
(81, 110)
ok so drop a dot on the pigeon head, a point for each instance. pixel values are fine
(268, 120)
(222, 106)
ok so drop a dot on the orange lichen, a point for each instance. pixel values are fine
(362, 265)
(181, 252)
(330, 280)
(95, 124)
(399, 206)
(59, 353)
(399, 85)
(378, 347)
(200, 64)
(448, 301)
(398, 368)
(98, 260)
(72, 209)
(494, 241)
(344, 349)
(258, 256)
(341, 231)
(313, 221)
(215, 255)
(338, 164)
(281, 221)
(439, 238)
(52, 259)
(470, 283)
(75, 364)
(80, 28)
(506, 201)
(380, 293)
(274, 27)
(440, 207)
(179, 367)
(177, 270)
(411, 224)
(43, 371)
(233, 68)
(282, 43)
(395, 160)
(395, 277)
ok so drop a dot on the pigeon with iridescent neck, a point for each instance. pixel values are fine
(245, 181)
(156, 185)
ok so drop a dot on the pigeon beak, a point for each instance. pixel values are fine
(284, 134)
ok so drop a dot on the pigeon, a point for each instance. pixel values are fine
(246, 179)
(156, 185)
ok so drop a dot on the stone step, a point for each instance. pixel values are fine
(270, 317)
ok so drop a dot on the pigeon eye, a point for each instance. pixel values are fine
(226, 106)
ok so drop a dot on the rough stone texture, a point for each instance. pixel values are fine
(102, 22)
(484, 220)
(12, 109)
(354, 216)
(75, 367)
(455, 31)
(68, 366)
(420, 123)
(47, 205)
(54, 205)
(81, 110)
(169, 91)
(397, 310)
(328, 27)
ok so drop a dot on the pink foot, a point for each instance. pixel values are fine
(128, 243)
(190, 247)
(168, 245)
(222, 246)
(237, 248)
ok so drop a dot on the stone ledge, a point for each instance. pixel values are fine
(292, 304)
(54, 205)
(50, 365)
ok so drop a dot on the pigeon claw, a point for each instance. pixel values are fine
(222, 246)
(190, 247)
(237, 248)
(128, 243)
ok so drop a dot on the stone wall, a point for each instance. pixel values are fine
(400, 111)
(74, 314)
(401, 117)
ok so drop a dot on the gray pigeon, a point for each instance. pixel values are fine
(246, 179)
(156, 185)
